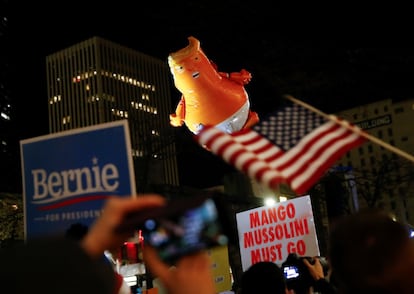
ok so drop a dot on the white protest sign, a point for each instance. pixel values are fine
(270, 233)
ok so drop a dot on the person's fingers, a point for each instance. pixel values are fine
(157, 267)
(315, 269)
(306, 262)
(102, 235)
(117, 208)
(192, 273)
(130, 204)
(317, 263)
(195, 270)
(197, 261)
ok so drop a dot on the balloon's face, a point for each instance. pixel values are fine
(187, 65)
(185, 72)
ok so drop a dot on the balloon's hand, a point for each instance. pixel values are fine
(243, 77)
(175, 120)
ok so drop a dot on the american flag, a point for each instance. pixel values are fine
(293, 145)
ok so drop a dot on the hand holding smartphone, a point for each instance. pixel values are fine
(184, 225)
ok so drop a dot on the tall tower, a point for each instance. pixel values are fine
(99, 81)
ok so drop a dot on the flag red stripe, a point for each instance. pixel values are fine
(307, 155)
(300, 167)
(263, 148)
(239, 157)
(324, 161)
(302, 151)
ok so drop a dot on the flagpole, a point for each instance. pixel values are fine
(360, 132)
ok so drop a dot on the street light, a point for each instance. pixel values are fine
(269, 201)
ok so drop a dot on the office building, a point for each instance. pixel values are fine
(383, 177)
(98, 81)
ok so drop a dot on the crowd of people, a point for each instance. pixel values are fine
(369, 252)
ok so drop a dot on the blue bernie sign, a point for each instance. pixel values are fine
(67, 176)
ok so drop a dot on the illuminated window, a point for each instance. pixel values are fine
(66, 120)
(120, 113)
(55, 99)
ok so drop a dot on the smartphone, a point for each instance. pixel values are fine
(184, 225)
(291, 272)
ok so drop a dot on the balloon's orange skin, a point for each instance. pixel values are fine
(208, 97)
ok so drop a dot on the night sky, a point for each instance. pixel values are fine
(333, 57)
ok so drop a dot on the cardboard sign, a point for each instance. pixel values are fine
(270, 233)
(67, 176)
(221, 268)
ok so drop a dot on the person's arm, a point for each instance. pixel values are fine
(72, 266)
(51, 265)
(103, 235)
(191, 274)
(316, 271)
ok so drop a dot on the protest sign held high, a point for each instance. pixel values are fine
(270, 233)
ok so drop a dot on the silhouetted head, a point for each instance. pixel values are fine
(370, 252)
(263, 277)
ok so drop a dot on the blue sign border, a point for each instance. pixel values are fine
(67, 176)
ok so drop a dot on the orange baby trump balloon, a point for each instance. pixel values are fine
(209, 97)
